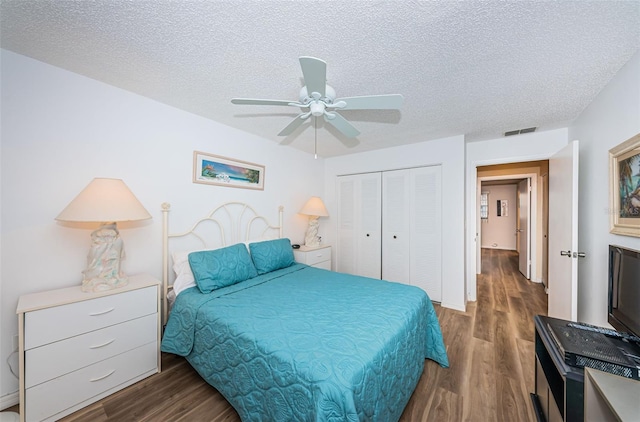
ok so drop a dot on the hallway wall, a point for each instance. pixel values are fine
(498, 232)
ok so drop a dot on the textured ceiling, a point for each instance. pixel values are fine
(473, 68)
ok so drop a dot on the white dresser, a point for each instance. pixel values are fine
(319, 257)
(609, 397)
(76, 348)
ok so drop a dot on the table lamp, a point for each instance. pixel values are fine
(104, 201)
(314, 208)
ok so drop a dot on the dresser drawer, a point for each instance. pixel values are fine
(86, 349)
(52, 324)
(55, 396)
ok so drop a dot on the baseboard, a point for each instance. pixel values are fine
(452, 306)
(9, 400)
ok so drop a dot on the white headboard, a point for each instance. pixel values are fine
(227, 224)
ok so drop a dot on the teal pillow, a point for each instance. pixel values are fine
(271, 255)
(221, 267)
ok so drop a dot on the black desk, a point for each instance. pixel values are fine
(559, 389)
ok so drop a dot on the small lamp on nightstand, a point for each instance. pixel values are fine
(104, 201)
(314, 208)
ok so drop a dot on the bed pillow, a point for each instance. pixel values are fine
(184, 276)
(182, 269)
(221, 267)
(271, 255)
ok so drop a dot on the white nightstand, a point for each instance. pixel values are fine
(76, 348)
(319, 257)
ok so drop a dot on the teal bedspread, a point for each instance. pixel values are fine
(306, 344)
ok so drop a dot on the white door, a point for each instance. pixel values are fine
(370, 228)
(412, 228)
(524, 232)
(396, 226)
(563, 233)
(545, 230)
(359, 225)
(426, 226)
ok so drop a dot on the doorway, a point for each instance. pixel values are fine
(506, 220)
(534, 262)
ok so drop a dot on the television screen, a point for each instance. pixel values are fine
(624, 289)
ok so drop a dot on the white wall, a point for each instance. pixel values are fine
(448, 152)
(500, 232)
(60, 130)
(612, 118)
(512, 149)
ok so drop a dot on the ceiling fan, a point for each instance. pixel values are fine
(319, 99)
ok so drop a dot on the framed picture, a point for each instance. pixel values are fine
(212, 169)
(624, 168)
(502, 208)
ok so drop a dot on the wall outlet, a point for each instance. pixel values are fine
(15, 343)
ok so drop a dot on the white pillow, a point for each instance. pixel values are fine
(184, 276)
(260, 239)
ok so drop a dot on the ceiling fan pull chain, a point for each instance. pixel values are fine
(315, 137)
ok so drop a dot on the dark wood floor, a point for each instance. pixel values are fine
(490, 348)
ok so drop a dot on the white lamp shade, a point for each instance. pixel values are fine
(104, 200)
(315, 207)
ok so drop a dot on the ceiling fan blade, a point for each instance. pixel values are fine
(373, 102)
(253, 101)
(295, 124)
(315, 74)
(341, 124)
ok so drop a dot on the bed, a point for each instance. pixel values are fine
(285, 341)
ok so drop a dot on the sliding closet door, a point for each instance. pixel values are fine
(425, 208)
(412, 228)
(390, 225)
(396, 244)
(359, 225)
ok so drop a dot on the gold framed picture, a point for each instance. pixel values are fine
(624, 168)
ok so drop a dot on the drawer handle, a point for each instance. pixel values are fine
(102, 345)
(102, 377)
(101, 313)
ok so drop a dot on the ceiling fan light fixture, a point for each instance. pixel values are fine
(306, 97)
(317, 108)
